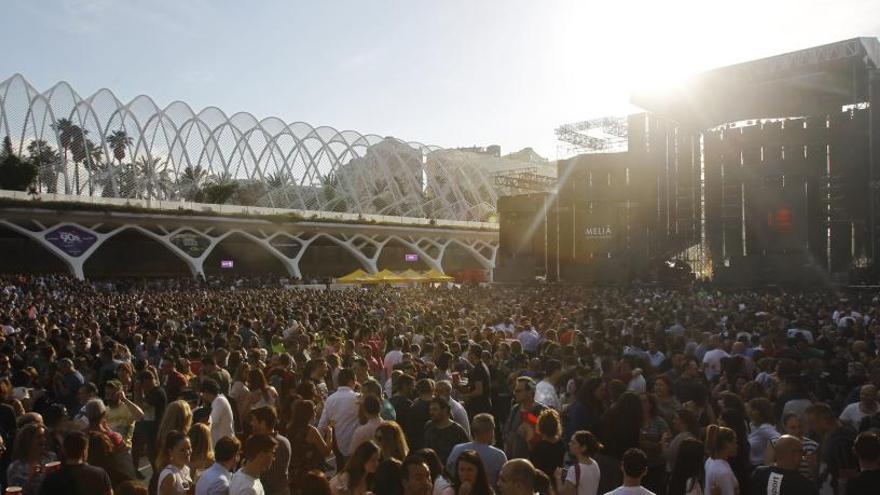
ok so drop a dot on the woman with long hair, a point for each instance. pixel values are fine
(688, 469)
(653, 430)
(583, 477)
(388, 477)
(175, 477)
(202, 456)
(239, 391)
(623, 424)
(307, 442)
(667, 404)
(547, 450)
(721, 445)
(470, 475)
(587, 410)
(684, 425)
(315, 483)
(357, 476)
(29, 455)
(177, 417)
(261, 393)
(442, 485)
(742, 467)
(390, 437)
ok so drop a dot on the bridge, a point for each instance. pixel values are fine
(88, 235)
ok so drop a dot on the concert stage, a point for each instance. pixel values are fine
(769, 169)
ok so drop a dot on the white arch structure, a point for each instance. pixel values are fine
(276, 164)
(431, 246)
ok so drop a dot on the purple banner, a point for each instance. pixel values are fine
(226, 264)
(72, 240)
(412, 257)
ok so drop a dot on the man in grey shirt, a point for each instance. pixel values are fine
(483, 429)
(275, 480)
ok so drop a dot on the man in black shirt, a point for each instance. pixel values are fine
(783, 478)
(75, 476)
(478, 397)
(867, 449)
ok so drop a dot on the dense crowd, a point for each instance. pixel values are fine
(180, 386)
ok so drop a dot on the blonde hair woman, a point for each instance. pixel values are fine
(177, 417)
(202, 451)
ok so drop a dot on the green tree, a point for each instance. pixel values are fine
(191, 182)
(154, 181)
(119, 142)
(48, 164)
(217, 193)
(66, 131)
(15, 174)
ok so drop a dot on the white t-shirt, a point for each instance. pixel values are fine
(244, 484)
(853, 415)
(718, 473)
(182, 479)
(712, 362)
(630, 490)
(589, 482)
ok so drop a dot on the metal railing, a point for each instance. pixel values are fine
(308, 215)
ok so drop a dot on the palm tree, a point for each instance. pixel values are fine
(80, 148)
(153, 178)
(191, 181)
(66, 131)
(45, 158)
(118, 141)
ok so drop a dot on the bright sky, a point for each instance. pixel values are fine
(450, 73)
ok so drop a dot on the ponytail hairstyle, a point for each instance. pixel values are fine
(718, 437)
(588, 441)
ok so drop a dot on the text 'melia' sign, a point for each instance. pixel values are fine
(602, 232)
(72, 240)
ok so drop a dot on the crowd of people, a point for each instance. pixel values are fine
(176, 387)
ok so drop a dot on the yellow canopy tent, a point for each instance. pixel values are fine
(353, 277)
(435, 276)
(387, 276)
(413, 276)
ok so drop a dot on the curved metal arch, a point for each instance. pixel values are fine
(256, 240)
(364, 261)
(163, 240)
(457, 186)
(35, 236)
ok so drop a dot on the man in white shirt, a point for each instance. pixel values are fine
(393, 357)
(221, 411)
(259, 450)
(545, 392)
(341, 409)
(712, 358)
(634, 466)
(866, 406)
(369, 414)
(443, 389)
(216, 480)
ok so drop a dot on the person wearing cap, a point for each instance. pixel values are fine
(121, 411)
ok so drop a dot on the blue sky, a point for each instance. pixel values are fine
(450, 73)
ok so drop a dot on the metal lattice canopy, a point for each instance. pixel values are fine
(100, 146)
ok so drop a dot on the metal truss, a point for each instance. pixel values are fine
(100, 146)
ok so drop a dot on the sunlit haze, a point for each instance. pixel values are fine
(450, 73)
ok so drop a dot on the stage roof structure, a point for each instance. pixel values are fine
(812, 81)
